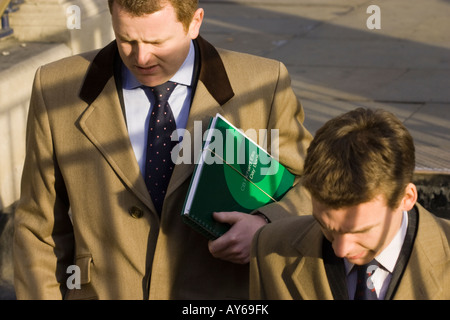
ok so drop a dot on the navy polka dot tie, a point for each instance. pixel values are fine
(159, 165)
(365, 289)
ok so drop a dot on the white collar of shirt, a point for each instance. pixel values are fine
(183, 75)
(389, 256)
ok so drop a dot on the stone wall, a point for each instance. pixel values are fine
(434, 193)
(42, 34)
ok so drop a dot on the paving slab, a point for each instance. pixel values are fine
(362, 53)
(343, 83)
(327, 109)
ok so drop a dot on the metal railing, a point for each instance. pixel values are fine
(6, 7)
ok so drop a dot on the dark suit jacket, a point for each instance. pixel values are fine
(287, 261)
(80, 161)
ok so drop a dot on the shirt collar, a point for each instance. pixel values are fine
(389, 256)
(183, 75)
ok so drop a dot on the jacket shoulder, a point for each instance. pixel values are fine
(66, 72)
(283, 234)
(242, 56)
(245, 61)
(79, 61)
(444, 224)
(73, 72)
(433, 235)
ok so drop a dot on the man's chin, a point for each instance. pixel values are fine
(151, 81)
(359, 259)
(150, 77)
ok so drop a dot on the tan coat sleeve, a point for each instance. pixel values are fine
(256, 285)
(287, 116)
(43, 240)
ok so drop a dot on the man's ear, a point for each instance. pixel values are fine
(194, 27)
(410, 197)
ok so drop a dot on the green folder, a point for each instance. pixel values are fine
(232, 174)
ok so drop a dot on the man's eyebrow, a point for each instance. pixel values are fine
(154, 41)
(123, 37)
(350, 231)
(151, 41)
(363, 229)
(159, 40)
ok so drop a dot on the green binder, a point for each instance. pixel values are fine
(232, 174)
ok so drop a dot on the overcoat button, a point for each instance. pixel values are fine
(136, 212)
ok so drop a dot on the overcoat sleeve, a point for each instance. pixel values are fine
(287, 116)
(43, 239)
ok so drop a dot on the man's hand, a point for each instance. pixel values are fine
(235, 245)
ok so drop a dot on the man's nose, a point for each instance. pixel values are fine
(342, 245)
(142, 54)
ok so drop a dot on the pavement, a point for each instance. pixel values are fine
(337, 64)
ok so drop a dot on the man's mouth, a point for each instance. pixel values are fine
(356, 257)
(146, 70)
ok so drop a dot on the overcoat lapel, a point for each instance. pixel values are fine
(420, 279)
(335, 270)
(104, 125)
(405, 254)
(203, 108)
(212, 91)
(309, 276)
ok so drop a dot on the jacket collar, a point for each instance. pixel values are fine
(212, 72)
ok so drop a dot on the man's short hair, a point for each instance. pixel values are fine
(357, 156)
(185, 9)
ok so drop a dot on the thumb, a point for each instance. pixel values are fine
(227, 217)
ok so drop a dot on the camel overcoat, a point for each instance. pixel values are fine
(83, 199)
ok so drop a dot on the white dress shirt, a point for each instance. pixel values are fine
(381, 278)
(138, 106)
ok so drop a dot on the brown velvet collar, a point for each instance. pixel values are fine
(212, 72)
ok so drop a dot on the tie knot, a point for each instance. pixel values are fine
(163, 91)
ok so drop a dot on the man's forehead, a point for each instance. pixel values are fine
(357, 218)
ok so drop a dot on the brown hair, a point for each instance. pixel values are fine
(185, 9)
(358, 156)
